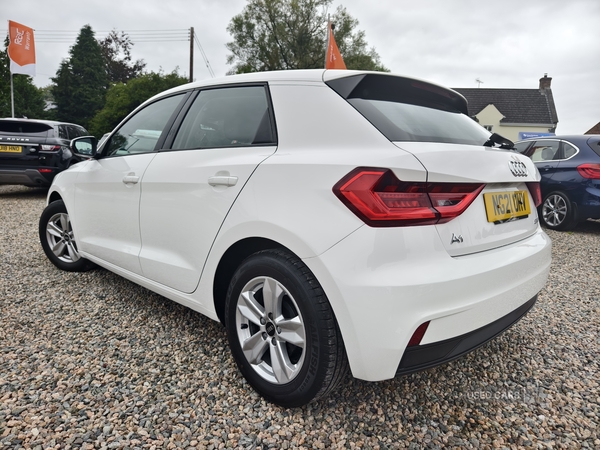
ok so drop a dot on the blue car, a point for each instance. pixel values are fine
(570, 169)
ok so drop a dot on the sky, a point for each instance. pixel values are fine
(503, 44)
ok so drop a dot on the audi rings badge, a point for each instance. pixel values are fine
(517, 167)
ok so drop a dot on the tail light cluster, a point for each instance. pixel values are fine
(380, 199)
(588, 170)
(536, 192)
(50, 148)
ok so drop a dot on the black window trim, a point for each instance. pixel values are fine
(160, 142)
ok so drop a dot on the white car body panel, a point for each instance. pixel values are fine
(107, 209)
(179, 201)
(453, 163)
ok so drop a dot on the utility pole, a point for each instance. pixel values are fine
(191, 54)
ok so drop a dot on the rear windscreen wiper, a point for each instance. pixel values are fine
(495, 138)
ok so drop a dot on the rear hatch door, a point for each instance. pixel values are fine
(490, 221)
(21, 142)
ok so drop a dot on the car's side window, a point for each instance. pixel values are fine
(63, 133)
(568, 150)
(141, 132)
(544, 151)
(226, 117)
(76, 131)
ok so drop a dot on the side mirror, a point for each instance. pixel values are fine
(84, 146)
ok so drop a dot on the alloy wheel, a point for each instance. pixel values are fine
(61, 241)
(270, 330)
(555, 210)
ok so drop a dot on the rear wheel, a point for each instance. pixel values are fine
(58, 241)
(557, 212)
(282, 331)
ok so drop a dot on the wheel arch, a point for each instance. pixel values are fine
(573, 216)
(231, 260)
(54, 197)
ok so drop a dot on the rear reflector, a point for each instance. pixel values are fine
(418, 334)
(45, 170)
(588, 170)
(536, 192)
(379, 199)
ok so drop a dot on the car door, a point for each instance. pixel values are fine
(107, 191)
(188, 190)
(566, 177)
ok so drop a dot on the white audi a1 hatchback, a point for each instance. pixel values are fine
(327, 218)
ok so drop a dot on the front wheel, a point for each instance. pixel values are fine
(557, 212)
(58, 241)
(282, 331)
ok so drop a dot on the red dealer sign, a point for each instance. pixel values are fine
(21, 49)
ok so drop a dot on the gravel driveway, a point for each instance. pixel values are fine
(93, 361)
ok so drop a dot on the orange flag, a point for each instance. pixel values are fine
(333, 59)
(21, 49)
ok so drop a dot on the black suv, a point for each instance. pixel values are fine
(32, 152)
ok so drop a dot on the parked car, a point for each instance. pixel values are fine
(32, 152)
(570, 170)
(324, 217)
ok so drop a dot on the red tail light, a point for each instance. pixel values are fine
(45, 170)
(536, 192)
(378, 198)
(588, 170)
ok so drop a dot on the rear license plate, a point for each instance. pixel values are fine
(10, 149)
(501, 206)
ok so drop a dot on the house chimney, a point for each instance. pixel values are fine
(545, 82)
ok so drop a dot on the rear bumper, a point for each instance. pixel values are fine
(422, 357)
(26, 177)
(384, 283)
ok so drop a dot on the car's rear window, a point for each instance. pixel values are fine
(27, 128)
(410, 110)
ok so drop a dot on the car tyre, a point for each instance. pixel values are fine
(58, 241)
(282, 331)
(557, 212)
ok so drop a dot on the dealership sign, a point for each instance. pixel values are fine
(532, 134)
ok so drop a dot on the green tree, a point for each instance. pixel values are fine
(291, 34)
(28, 99)
(123, 98)
(80, 83)
(116, 51)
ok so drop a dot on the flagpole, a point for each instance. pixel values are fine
(12, 97)
(327, 40)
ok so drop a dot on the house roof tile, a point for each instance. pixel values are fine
(594, 130)
(534, 106)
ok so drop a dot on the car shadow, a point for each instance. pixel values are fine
(15, 192)
(589, 226)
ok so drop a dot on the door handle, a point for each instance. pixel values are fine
(222, 181)
(131, 179)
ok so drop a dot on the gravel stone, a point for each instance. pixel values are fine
(93, 361)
